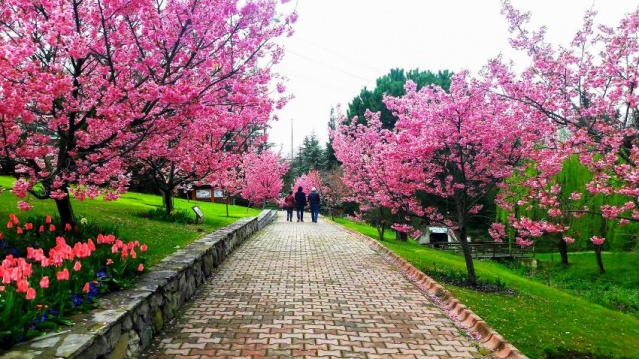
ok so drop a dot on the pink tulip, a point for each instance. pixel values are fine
(22, 285)
(44, 282)
(63, 275)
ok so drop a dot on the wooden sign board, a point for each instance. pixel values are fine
(203, 193)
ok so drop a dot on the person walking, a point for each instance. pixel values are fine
(300, 203)
(314, 203)
(289, 203)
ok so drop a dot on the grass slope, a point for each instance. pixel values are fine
(540, 318)
(127, 216)
(618, 288)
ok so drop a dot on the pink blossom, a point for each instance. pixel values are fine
(497, 231)
(20, 188)
(597, 240)
(24, 206)
(523, 242)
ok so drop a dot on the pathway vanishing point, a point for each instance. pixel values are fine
(310, 290)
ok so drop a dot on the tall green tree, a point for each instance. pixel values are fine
(330, 161)
(310, 156)
(392, 84)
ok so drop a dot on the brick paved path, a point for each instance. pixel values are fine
(310, 290)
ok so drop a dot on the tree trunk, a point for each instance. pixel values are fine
(468, 257)
(227, 205)
(167, 200)
(598, 249)
(563, 251)
(65, 210)
(401, 236)
(381, 228)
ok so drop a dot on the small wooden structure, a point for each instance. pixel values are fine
(202, 193)
(435, 235)
(208, 193)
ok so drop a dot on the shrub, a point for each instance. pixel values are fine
(177, 216)
(460, 279)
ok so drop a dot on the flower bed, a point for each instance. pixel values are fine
(49, 273)
(124, 322)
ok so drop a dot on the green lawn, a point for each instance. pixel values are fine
(539, 317)
(128, 215)
(618, 288)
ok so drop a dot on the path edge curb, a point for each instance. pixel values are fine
(463, 316)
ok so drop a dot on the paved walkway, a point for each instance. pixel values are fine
(310, 290)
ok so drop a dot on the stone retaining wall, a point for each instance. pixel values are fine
(127, 320)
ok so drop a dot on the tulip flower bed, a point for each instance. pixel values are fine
(49, 272)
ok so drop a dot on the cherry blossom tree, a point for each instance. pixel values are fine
(466, 142)
(262, 176)
(334, 192)
(372, 170)
(585, 97)
(207, 146)
(229, 180)
(84, 83)
(308, 181)
(458, 145)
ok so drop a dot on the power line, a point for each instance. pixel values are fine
(339, 55)
(321, 83)
(329, 66)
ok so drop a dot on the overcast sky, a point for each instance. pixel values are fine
(342, 46)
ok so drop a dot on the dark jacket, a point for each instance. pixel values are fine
(313, 198)
(300, 199)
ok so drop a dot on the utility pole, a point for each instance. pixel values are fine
(291, 139)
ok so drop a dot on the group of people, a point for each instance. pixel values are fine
(299, 202)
